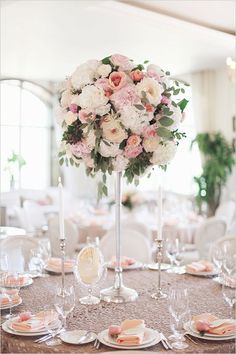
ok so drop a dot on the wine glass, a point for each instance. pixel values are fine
(218, 257)
(229, 291)
(180, 314)
(64, 302)
(51, 328)
(13, 281)
(172, 251)
(89, 270)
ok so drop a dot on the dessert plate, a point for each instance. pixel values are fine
(203, 274)
(8, 306)
(73, 337)
(187, 327)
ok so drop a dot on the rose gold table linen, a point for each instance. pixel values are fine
(205, 296)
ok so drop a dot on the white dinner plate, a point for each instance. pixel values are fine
(136, 265)
(187, 327)
(52, 270)
(152, 339)
(29, 282)
(6, 327)
(203, 274)
(73, 337)
(154, 266)
(6, 307)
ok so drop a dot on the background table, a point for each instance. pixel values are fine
(205, 296)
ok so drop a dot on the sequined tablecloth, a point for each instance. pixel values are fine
(205, 296)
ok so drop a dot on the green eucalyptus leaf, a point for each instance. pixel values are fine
(164, 133)
(166, 121)
(182, 104)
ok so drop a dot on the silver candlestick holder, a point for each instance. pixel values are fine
(159, 294)
(63, 254)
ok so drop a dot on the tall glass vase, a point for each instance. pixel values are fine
(118, 293)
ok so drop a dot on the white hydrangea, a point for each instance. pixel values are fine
(92, 98)
(110, 150)
(120, 163)
(134, 119)
(164, 153)
(84, 74)
(104, 70)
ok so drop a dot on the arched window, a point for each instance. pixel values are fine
(26, 135)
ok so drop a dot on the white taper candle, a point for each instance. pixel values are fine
(159, 219)
(61, 211)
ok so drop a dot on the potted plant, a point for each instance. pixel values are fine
(14, 162)
(217, 166)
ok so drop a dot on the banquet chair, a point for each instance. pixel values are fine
(133, 244)
(228, 239)
(71, 233)
(139, 227)
(227, 211)
(208, 232)
(19, 252)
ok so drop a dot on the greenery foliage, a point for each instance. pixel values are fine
(217, 167)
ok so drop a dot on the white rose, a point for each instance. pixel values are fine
(66, 98)
(164, 153)
(152, 89)
(151, 144)
(75, 99)
(84, 74)
(112, 131)
(104, 70)
(92, 98)
(120, 163)
(70, 118)
(110, 150)
(134, 119)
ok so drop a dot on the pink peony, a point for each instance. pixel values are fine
(126, 96)
(80, 149)
(121, 61)
(84, 116)
(153, 74)
(150, 131)
(73, 108)
(132, 152)
(104, 85)
(134, 140)
(117, 79)
(165, 100)
(137, 75)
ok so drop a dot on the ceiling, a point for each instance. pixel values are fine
(46, 40)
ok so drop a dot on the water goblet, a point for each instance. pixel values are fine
(218, 257)
(13, 281)
(51, 328)
(89, 270)
(64, 302)
(172, 252)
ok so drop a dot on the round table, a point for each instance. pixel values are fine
(204, 293)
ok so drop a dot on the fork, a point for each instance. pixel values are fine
(165, 342)
(97, 343)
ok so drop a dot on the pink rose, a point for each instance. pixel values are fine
(165, 100)
(104, 85)
(202, 326)
(126, 96)
(117, 79)
(153, 74)
(134, 140)
(24, 316)
(150, 131)
(132, 152)
(136, 75)
(121, 61)
(80, 149)
(149, 107)
(73, 108)
(84, 116)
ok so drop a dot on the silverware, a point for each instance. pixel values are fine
(84, 337)
(186, 335)
(165, 342)
(97, 343)
(48, 336)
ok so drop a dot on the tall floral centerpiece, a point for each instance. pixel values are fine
(118, 116)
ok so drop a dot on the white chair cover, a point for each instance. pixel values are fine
(71, 233)
(227, 211)
(139, 227)
(231, 239)
(18, 250)
(207, 233)
(34, 215)
(133, 244)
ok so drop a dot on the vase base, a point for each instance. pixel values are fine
(119, 295)
(159, 295)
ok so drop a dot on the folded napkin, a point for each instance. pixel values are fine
(125, 261)
(14, 297)
(211, 324)
(200, 266)
(55, 264)
(34, 323)
(132, 332)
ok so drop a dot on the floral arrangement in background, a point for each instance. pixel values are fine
(119, 116)
(132, 199)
